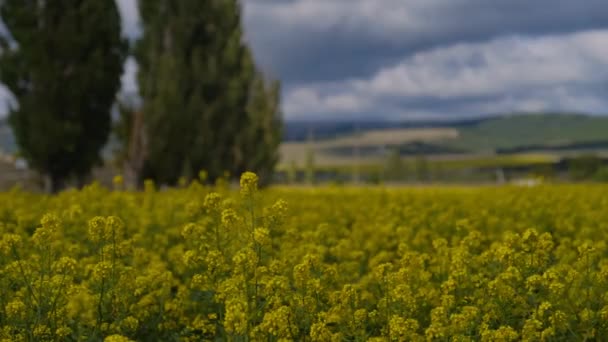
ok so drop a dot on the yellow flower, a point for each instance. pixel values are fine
(213, 202)
(48, 232)
(63, 332)
(118, 181)
(199, 281)
(235, 320)
(42, 332)
(402, 329)
(9, 242)
(117, 338)
(202, 176)
(249, 184)
(102, 270)
(130, 323)
(229, 218)
(279, 323)
(320, 333)
(50, 222)
(15, 309)
(65, 265)
(96, 229)
(261, 236)
(149, 185)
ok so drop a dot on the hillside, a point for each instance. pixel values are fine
(517, 133)
(556, 134)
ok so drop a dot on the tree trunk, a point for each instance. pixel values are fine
(133, 166)
(53, 184)
(82, 180)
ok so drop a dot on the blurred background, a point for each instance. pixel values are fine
(303, 91)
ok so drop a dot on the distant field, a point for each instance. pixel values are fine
(394, 136)
(502, 141)
(297, 151)
(445, 163)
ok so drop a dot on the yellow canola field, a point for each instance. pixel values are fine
(321, 264)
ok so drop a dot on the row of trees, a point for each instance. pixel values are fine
(205, 105)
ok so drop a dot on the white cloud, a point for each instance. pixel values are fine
(306, 101)
(506, 74)
(490, 68)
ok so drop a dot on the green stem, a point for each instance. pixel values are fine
(101, 295)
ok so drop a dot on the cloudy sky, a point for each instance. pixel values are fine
(401, 59)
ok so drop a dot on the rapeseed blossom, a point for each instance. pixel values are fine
(204, 262)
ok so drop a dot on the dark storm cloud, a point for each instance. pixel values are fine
(308, 40)
(424, 58)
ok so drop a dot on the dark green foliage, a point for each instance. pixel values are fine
(292, 173)
(122, 129)
(259, 143)
(205, 105)
(546, 171)
(64, 73)
(601, 175)
(584, 167)
(422, 168)
(310, 171)
(130, 153)
(395, 169)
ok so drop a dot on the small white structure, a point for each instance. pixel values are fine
(21, 164)
(527, 182)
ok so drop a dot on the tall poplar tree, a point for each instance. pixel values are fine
(262, 138)
(194, 79)
(203, 97)
(64, 68)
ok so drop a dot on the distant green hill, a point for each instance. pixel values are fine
(557, 133)
(524, 132)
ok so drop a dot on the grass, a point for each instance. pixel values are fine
(454, 164)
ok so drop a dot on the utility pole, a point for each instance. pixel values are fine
(357, 154)
(310, 172)
(500, 176)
